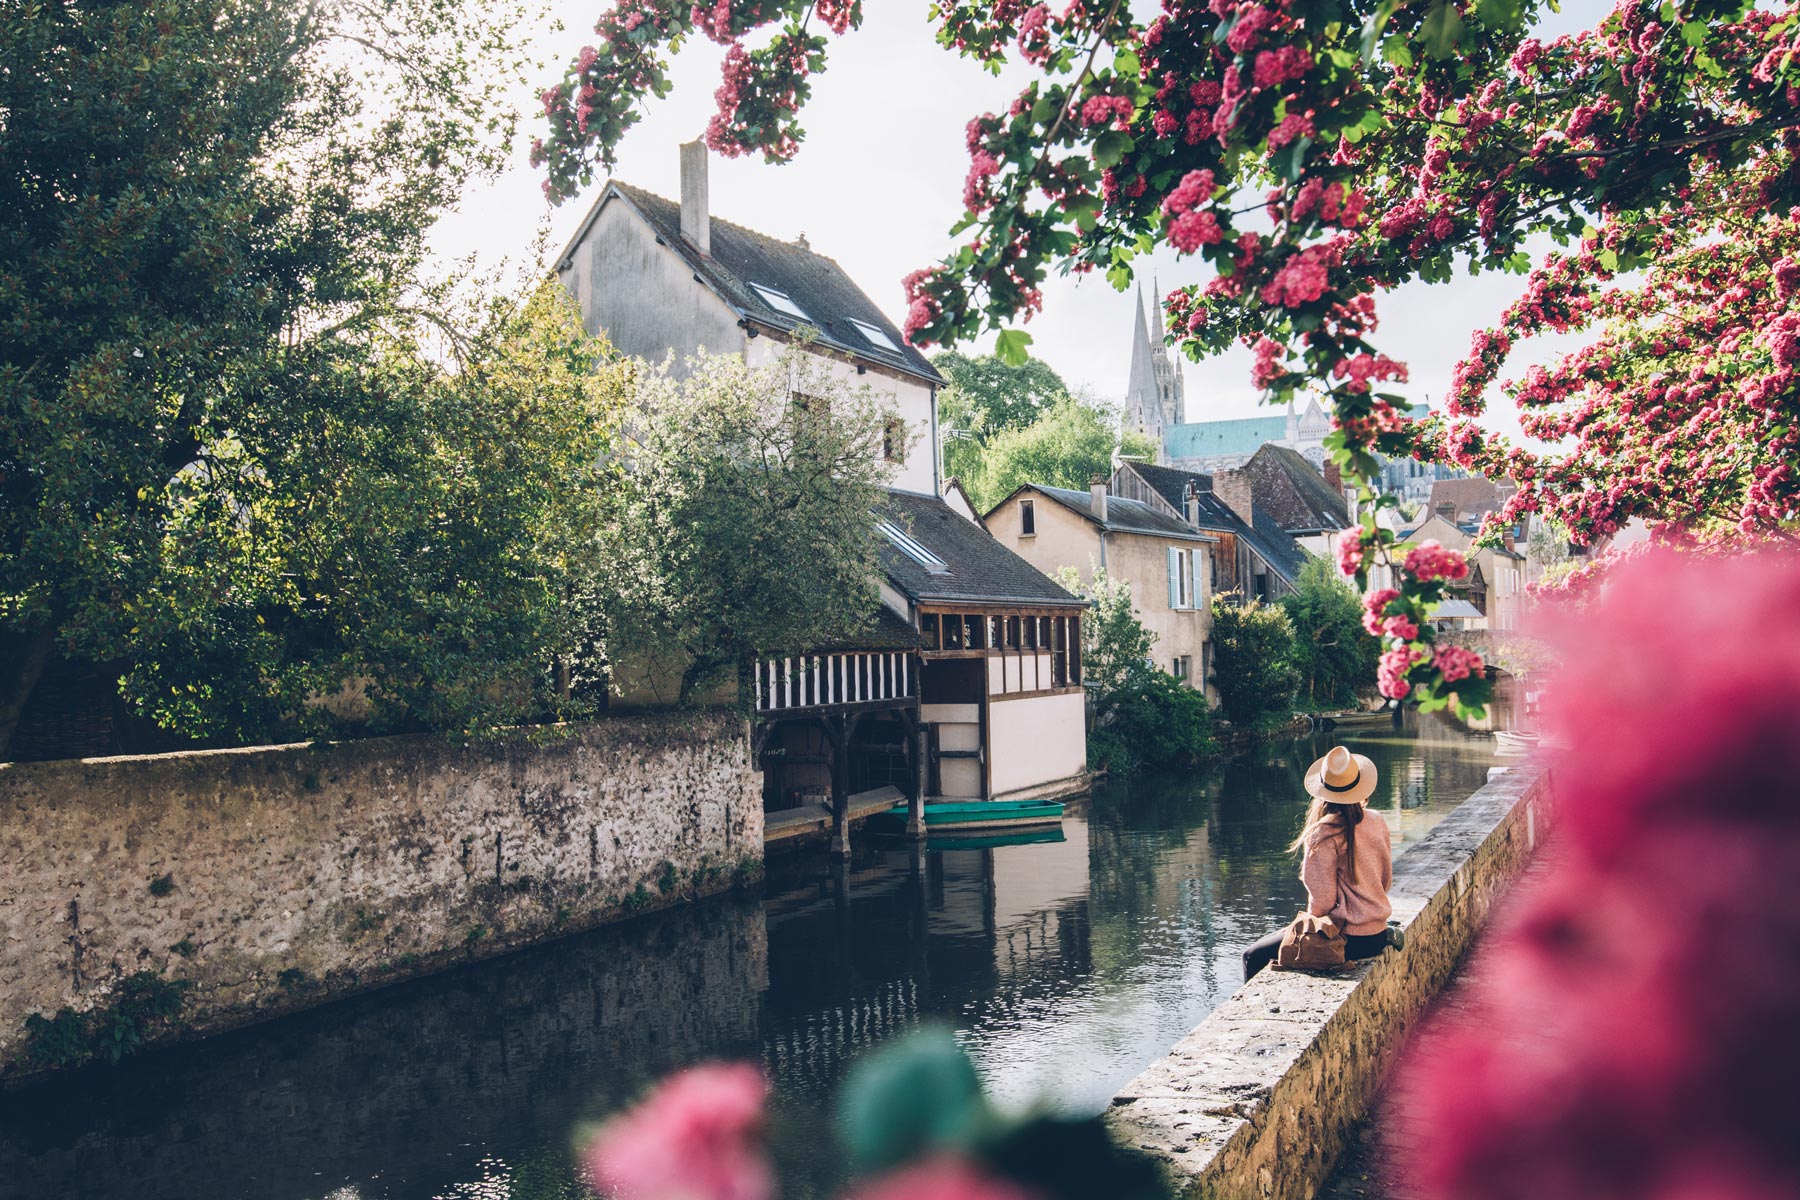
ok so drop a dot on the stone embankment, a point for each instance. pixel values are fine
(1261, 1098)
(253, 882)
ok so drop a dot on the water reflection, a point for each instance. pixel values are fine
(1065, 966)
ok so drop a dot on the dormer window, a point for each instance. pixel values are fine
(780, 301)
(1027, 519)
(874, 335)
(909, 546)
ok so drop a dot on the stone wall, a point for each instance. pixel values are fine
(274, 878)
(1260, 1099)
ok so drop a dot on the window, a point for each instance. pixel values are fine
(928, 628)
(1183, 582)
(874, 335)
(904, 542)
(1027, 519)
(780, 301)
(1180, 667)
(893, 440)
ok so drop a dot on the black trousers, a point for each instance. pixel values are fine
(1356, 945)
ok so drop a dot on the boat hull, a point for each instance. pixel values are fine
(971, 815)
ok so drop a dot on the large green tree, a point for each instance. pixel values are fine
(1334, 655)
(746, 520)
(986, 396)
(212, 223)
(1071, 441)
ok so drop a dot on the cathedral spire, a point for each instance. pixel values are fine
(1156, 324)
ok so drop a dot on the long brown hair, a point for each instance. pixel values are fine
(1349, 817)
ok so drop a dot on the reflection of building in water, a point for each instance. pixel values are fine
(439, 1083)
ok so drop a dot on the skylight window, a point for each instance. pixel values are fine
(905, 543)
(874, 335)
(780, 301)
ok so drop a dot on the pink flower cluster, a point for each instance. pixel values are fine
(1103, 110)
(1456, 662)
(1276, 67)
(695, 1138)
(1390, 671)
(1377, 622)
(1431, 560)
(1302, 279)
(1351, 552)
(1268, 367)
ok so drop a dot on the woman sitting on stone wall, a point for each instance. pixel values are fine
(1348, 861)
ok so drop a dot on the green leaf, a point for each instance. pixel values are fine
(1443, 30)
(1376, 23)
(1693, 33)
(908, 1098)
(1010, 346)
(1110, 147)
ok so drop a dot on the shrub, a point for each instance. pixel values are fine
(1253, 647)
(1157, 721)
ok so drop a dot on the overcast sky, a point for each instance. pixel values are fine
(877, 185)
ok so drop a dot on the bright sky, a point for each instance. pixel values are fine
(877, 185)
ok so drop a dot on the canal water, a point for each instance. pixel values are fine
(1064, 966)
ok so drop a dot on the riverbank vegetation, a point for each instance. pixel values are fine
(1141, 718)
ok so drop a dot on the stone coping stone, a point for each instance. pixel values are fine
(1260, 1099)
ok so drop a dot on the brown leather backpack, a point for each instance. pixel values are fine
(1311, 944)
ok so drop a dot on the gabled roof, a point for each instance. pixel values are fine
(1207, 439)
(815, 284)
(1291, 490)
(1122, 515)
(1169, 483)
(1271, 543)
(1474, 496)
(976, 567)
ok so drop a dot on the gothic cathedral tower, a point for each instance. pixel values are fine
(1153, 396)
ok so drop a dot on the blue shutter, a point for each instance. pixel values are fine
(1174, 579)
(1197, 556)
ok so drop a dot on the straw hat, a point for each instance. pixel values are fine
(1341, 777)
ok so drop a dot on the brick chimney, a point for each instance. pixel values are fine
(696, 215)
(1233, 487)
(1097, 491)
(1334, 478)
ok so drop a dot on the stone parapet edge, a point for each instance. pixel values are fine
(1261, 1098)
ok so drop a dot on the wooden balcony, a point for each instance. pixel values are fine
(843, 682)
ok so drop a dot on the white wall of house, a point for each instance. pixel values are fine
(642, 296)
(910, 399)
(1035, 740)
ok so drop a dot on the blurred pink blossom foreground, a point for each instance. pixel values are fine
(1643, 1037)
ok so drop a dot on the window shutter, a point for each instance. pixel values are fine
(1174, 579)
(1195, 558)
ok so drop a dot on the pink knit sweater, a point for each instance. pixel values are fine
(1360, 908)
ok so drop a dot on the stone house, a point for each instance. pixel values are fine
(967, 683)
(1306, 503)
(1166, 562)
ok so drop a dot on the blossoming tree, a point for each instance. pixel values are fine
(1310, 155)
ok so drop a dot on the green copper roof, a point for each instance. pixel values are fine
(1203, 439)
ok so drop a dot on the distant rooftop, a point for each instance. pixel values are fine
(1242, 436)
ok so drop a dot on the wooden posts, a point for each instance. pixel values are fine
(915, 809)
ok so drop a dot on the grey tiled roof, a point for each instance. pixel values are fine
(1171, 483)
(815, 283)
(980, 569)
(1122, 515)
(1272, 544)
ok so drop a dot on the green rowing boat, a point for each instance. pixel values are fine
(961, 815)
